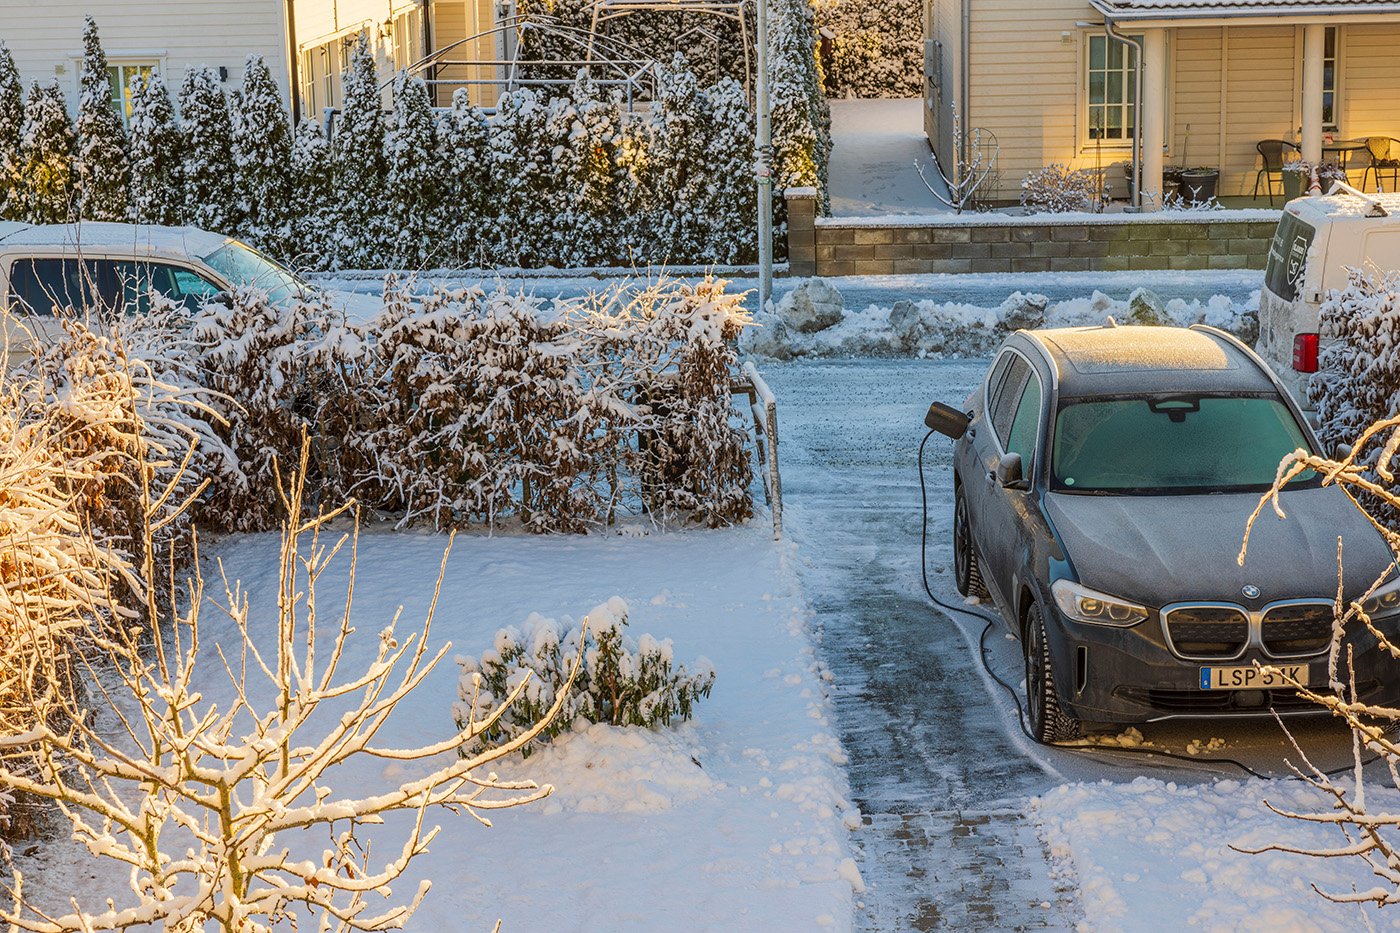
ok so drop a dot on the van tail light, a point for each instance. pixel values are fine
(1305, 353)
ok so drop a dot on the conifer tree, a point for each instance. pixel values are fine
(157, 155)
(357, 147)
(310, 177)
(679, 164)
(104, 172)
(521, 171)
(465, 150)
(583, 130)
(730, 205)
(46, 175)
(11, 129)
(413, 178)
(801, 116)
(211, 196)
(262, 147)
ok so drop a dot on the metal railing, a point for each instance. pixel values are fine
(763, 405)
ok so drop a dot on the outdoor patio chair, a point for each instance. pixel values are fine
(1271, 152)
(1385, 154)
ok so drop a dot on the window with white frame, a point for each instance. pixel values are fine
(408, 38)
(1331, 59)
(1111, 69)
(124, 78)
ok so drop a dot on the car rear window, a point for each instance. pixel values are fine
(1174, 443)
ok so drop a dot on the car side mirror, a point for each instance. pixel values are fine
(945, 419)
(1009, 472)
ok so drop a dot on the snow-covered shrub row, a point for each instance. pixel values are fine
(1058, 189)
(560, 177)
(457, 408)
(869, 48)
(928, 328)
(1358, 377)
(620, 681)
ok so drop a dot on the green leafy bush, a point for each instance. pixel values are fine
(620, 681)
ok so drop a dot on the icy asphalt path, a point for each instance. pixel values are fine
(938, 764)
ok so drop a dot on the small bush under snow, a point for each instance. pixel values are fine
(621, 681)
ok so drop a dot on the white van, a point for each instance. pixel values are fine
(1318, 239)
(116, 267)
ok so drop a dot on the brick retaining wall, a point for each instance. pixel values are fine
(1006, 243)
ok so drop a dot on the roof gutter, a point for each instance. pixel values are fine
(1223, 12)
(1111, 31)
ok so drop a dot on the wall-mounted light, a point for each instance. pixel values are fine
(223, 73)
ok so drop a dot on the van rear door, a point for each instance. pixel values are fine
(1288, 257)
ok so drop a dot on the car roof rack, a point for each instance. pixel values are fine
(1373, 207)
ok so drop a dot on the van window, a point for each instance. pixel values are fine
(1288, 256)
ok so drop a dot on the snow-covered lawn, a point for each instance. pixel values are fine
(1153, 855)
(737, 820)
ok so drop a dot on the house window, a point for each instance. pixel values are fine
(408, 38)
(124, 79)
(1112, 68)
(1329, 79)
(307, 76)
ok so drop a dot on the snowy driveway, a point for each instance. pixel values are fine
(938, 765)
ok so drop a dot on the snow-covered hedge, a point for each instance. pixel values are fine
(621, 681)
(1358, 378)
(558, 177)
(458, 408)
(871, 47)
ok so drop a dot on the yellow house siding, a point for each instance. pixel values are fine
(1195, 92)
(1260, 99)
(1370, 82)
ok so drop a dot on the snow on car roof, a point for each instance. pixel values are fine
(1113, 359)
(148, 238)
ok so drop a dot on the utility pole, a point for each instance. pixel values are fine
(762, 166)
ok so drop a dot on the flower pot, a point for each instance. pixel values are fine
(1198, 185)
(1295, 185)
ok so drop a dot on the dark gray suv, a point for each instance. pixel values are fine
(1103, 478)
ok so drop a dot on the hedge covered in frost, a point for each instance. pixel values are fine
(558, 177)
(461, 408)
(873, 48)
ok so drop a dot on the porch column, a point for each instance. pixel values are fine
(1314, 38)
(1154, 112)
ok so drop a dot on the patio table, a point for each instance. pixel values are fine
(1344, 147)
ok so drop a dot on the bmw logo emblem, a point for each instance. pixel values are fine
(1250, 591)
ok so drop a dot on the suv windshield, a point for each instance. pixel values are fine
(1176, 443)
(245, 266)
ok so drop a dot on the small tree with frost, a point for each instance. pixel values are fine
(46, 174)
(358, 165)
(157, 155)
(413, 189)
(104, 172)
(200, 800)
(11, 131)
(262, 147)
(464, 141)
(310, 171)
(211, 197)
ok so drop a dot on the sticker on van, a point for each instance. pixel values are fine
(1288, 257)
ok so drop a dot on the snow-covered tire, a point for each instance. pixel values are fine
(1048, 722)
(967, 573)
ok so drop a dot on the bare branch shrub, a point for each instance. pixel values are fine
(199, 800)
(973, 174)
(1058, 189)
(1369, 833)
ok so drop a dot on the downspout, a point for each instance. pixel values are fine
(428, 48)
(1111, 30)
(293, 62)
(965, 83)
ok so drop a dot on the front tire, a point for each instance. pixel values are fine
(967, 574)
(1048, 722)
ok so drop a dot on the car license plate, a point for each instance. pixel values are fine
(1252, 678)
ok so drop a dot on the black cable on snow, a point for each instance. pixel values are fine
(990, 620)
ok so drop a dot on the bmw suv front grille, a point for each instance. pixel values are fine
(1293, 628)
(1207, 631)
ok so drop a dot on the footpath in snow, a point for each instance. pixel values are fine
(736, 820)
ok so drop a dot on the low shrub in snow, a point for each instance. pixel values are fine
(1058, 189)
(619, 681)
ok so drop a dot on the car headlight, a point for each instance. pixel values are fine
(1385, 601)
(1085, 605)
